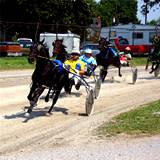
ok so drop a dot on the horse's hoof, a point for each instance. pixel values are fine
(49, 113)
(27, 114)
(120, 75)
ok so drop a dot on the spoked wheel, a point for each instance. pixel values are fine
(134, 74)
(156, 72)
(89, 102)
(97, 87)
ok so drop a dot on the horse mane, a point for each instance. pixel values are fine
(59, 50)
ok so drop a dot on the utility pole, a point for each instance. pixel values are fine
(145, 9)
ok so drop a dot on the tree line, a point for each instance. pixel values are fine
(30, 17)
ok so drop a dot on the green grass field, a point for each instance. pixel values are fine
(8, 63)
(144, 120)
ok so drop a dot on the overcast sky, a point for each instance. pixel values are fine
(154, 13)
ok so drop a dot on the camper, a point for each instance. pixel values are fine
(136, 34)
(70, 40)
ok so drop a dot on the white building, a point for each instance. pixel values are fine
(136, 34)
(70, 40)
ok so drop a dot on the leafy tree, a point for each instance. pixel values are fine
(124, 11)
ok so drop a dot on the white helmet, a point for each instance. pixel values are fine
(75, 51)
(88, 51)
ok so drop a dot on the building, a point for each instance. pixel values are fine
(70, 40)
(135, 33)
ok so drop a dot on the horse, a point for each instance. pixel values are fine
(107, 57)
(48, 74)
(154, 56)
(155, 62)
(59, 50)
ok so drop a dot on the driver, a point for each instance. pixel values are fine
(75, 66)
(89, 60)
(125, 56)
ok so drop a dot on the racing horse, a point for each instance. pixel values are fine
(154, 56)
(107, 56)
(48, 74)
(59, 50)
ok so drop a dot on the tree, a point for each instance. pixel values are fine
(124, 11)
(49, 14)
(146, 7)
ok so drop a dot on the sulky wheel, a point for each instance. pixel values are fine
(97, 87)
(156, 72)
(89, 102)
(134, 74)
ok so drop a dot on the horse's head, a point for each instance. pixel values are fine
(103, 43)
(58, 47)
(38, 50)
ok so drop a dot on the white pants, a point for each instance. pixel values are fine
(75, 78)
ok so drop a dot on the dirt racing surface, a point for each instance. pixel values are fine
(68, 127)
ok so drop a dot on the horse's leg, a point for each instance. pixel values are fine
(119, 71)
(47, 96)
(103, 73)
(55, 98)
(152, 67)
(68, 85)
(34, 97)
(147, 64)
(156, 67)
(117, 64)
(33, 87)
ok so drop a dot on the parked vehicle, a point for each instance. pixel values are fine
(93, 47)
(10, 49)
(25, 42)
(121, 43)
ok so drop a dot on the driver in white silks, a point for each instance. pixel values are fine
(89, 61)
(75, 66)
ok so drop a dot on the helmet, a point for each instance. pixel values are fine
(88, 51)
(75, 52)
(128, 49)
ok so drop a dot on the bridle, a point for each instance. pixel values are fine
(34, 53)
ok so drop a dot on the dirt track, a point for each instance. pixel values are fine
(67, 125)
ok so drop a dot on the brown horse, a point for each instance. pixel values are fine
(107, 56)
(59, 50)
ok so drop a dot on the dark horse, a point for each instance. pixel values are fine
(107, 57)
(47, 74)
(154, 56)
(59, 50)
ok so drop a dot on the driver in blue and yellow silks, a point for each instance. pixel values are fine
(75, 66)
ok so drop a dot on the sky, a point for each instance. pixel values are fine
(154, 13)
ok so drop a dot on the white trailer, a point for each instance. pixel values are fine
(70, 40)
(136, 34)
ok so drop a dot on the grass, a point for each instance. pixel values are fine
(139, 61)
(144, 120)
(8, 63)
